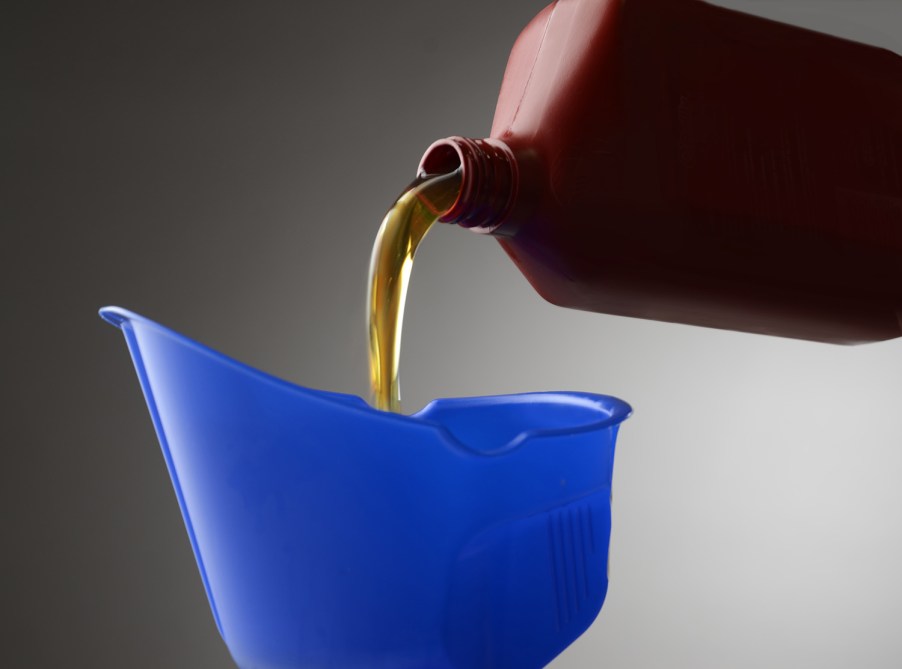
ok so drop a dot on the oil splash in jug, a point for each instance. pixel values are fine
(403, 228)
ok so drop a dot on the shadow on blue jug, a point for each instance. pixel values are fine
(473, 534)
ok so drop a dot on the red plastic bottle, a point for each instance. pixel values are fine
(672, 160)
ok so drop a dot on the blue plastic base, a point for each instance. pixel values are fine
(328, 534)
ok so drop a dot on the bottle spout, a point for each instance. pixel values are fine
(489, 180)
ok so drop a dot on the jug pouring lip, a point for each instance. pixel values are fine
(602, 410)
(120, 318)
(117, 316)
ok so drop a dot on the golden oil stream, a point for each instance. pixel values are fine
(403, 228)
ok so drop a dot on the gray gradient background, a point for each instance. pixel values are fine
(222, 168)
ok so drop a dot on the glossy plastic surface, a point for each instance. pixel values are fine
(473, 534)
(693, 164)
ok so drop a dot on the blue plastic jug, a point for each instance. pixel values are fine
(471, 535)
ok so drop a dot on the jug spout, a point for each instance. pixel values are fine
(114, 316)
(328, 533)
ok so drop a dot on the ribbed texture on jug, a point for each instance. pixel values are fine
(489, 179)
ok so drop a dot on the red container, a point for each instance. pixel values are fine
(672, 160)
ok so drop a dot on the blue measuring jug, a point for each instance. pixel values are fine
(328, 534)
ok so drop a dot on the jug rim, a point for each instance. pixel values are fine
(613, 410)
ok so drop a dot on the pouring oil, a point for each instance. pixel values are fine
(403, 228)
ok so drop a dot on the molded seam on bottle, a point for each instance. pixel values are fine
(532, 68)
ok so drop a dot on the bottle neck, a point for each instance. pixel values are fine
(489, 180)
